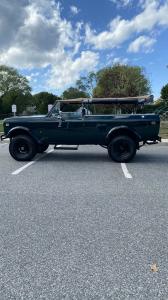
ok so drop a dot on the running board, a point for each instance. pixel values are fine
(62, 147)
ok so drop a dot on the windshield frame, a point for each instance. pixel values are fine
(56, 106)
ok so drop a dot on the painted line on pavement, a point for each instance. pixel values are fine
(125, 171)
(18, 171)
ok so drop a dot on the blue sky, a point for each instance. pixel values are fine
(53, 43)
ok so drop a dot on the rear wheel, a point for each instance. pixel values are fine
(22, 148)
(42, 148)
(122, 149)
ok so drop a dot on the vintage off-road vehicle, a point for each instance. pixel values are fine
(121, 134)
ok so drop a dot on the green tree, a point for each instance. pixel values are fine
(1, 107)
(21, 100)
(41, 101)
(11, 80)
(73, 93)
(164, 94)
(121, 81)
(87, 83)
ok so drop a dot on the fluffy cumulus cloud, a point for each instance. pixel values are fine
(122, 3)
(37, 37)
(120, 60)
(11, 19)
(74, 10)
(33, 34)
(111, 59)
(143, 44)
(153, 15)
(71, 68)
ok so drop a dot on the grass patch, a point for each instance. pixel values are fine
(164, 129)
(1, 127)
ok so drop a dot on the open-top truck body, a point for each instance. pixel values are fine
(122, 135)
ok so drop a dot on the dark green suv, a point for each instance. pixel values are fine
(120, 134)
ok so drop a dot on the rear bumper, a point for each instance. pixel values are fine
(157, 139)
(153, 141)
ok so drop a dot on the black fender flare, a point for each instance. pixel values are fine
(20, 130)
(123, 130)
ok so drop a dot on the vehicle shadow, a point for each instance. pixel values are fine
(149, 158)
(98, 157)
(77, 157)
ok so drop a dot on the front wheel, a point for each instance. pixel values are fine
(22, 148)
(122, 149)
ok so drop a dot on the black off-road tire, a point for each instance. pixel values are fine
(22, 148)
(42, 148)
(122, 149)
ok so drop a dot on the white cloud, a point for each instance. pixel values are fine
(74, 10)
(33, 76)
(121, 30)
(143, 44)
(111, 59)
(70, 69)
(11, 19)
(119, 60)
(40, 34)
(39, 37)
(35, 35)
(121, 3)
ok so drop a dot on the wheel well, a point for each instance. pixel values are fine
(123, 131)
(17, 132)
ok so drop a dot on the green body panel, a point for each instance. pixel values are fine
(91, 129)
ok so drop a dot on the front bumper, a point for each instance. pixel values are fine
(3, 137)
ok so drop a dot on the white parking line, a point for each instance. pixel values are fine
(125, 171)
(18, 171)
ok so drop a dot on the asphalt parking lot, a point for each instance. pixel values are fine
(74, 225)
